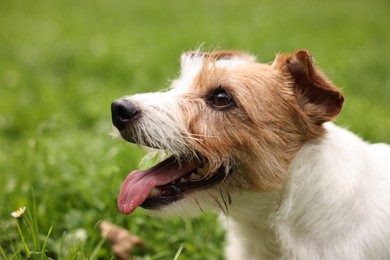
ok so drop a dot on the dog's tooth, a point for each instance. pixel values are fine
(154, 192)
(194, 176)
(182, 180)
(202, 170)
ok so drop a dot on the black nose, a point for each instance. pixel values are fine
(123, 111)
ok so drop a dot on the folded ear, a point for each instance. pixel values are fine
(318, 97)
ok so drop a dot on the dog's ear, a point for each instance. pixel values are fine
(317, 96)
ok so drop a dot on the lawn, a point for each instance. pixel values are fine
(63, 62)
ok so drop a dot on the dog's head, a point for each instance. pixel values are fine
(230, 124)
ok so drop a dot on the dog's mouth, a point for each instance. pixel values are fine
(166, 182)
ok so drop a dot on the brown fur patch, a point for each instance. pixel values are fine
(279, 108)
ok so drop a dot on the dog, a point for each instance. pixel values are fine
(256, 143)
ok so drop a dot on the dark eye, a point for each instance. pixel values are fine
(220, 99)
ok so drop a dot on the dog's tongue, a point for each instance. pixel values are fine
(140, 183)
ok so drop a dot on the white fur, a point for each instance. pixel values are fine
(161, 121)
(336, 205)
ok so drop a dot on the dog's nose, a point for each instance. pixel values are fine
(123, 111)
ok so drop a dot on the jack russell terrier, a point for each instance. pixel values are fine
(255, 142)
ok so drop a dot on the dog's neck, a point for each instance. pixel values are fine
(248, 225)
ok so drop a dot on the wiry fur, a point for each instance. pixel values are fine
(299, 187)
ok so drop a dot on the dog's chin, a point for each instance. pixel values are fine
(189, 206)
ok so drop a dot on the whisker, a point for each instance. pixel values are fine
(223, 209)
(201, 209)
(202, 135)
(224, 202)
(229, 198)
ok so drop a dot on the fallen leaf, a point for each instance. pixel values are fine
(121, 240)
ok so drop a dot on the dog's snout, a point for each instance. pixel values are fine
(123, 111)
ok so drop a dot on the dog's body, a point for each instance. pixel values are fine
(334, 206)
(253, 141)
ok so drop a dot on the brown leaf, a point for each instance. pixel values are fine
(121, 240)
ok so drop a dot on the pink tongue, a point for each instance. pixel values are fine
(140, 183)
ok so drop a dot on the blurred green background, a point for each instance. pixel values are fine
(63, 62)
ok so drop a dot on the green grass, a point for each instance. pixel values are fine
(63, 62)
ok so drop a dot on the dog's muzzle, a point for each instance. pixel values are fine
(123, 112)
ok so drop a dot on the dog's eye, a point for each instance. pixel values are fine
(221, 99)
